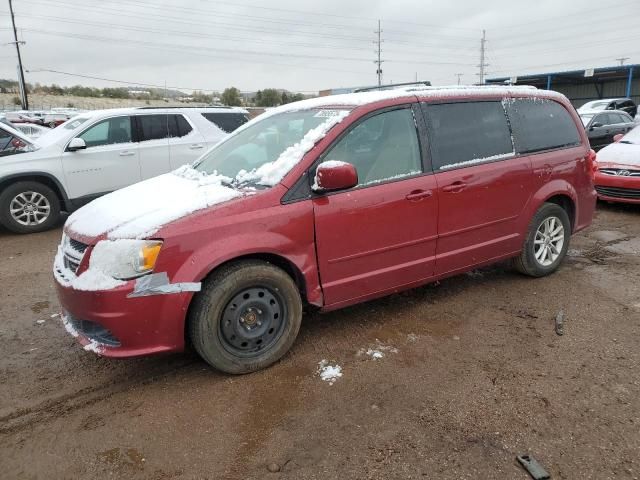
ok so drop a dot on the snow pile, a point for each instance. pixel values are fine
(272, 172)
(91, 280)
(140, 210)
(378, 351)
(329, 373)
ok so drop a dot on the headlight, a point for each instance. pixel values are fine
(125, 259)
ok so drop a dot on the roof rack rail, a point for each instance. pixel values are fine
(393, 86)
(188, 106)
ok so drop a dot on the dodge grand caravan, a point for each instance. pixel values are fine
(326, 202)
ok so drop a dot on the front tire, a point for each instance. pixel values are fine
(547, 242)
(29, 207)
(246, 317)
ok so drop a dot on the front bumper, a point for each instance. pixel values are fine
(110, 324)
(614, 188)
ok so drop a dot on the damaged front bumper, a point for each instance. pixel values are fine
(139, 317)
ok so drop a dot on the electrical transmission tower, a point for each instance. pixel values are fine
(622, 59)
(483, 57)
(379, 60)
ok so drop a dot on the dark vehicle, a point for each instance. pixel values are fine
(624, 104)
(602, 127)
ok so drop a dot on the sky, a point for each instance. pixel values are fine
(309, 46)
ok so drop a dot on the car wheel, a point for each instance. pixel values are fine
(246, 317)
(547, 241)
(29, 207)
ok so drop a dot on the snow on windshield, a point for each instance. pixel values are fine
(266, 151)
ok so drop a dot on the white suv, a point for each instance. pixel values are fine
(97, 152)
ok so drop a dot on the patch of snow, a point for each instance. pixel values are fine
(394, 177)
(620, 154)
(329, 373)
(40, 322)
(374, 353)
(140, 210)
(94, 347)
(54, 315)
(412, 337)
(271, 173)
(69, 327)
(90, 280)
(327, 164)
(378, 351)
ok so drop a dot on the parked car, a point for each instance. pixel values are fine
(618, 175)
(12, 141)
(31, 130)
(20, 117)
(624, 104)
(328, 202)
(602, 127)
(98, 152)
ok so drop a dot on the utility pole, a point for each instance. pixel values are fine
(459, 75)
(23, 87)
(379, 61)
(483, 63)
(622, 59)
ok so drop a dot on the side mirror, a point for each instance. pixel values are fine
(596, 125)
(618, 137)
(76, 144)
(335, 175)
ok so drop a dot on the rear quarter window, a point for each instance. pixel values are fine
(228, 121)
(541, 124)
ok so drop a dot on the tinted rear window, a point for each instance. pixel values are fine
(178, 126)
(470, 132)
(541, 124)
(153, 127)
(228, 121)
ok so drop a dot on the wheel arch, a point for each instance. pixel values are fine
(40, 177)
(567, 204)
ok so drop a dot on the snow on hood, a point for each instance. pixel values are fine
(140, 210)
(623, 154)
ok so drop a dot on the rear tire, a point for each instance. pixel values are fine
(246, 317)
(547, 242)
(29, 207)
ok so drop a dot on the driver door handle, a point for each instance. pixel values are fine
(419, 195)
(127, 153)
(196, 146)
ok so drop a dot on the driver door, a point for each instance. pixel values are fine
(381, 234)
(109, 162)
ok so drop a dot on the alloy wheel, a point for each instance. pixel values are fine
(548, 241)
(30, 208)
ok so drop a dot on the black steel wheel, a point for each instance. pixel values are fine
(252, 321)
(246, 317)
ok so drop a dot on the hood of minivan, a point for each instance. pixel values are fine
(140, 210)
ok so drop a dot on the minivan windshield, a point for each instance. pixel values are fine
(263, 143)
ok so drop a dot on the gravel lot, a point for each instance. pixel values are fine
(479, 376)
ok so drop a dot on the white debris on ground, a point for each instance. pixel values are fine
(378, 351)
(329, 373)
(40, 322)
(412, 337)
(54, 315)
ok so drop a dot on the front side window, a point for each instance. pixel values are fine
(382, 148)
(108, 132)
(227, 122)
(468, 133)
(540, 124)
(603, 119)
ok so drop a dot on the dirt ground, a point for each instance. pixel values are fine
(479, 376)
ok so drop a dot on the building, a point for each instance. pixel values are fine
(581, 86)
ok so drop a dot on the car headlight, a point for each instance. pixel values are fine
(125, 259)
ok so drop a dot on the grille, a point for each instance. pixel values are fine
(616, 172)
(94, 332)
(73, 251)
(618, 192)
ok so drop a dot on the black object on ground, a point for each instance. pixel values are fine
(560, 323)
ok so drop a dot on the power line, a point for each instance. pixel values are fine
(622, 59)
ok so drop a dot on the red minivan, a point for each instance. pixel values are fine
(326, 202)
